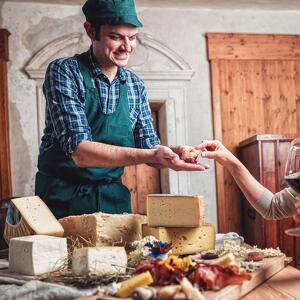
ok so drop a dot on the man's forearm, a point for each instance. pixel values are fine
(95, 154)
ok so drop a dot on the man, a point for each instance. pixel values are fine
(98, 120)
(285, 203)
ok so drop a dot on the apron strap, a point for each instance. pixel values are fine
(83, 64)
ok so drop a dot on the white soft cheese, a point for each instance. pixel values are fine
(99, 260)
(37, 254)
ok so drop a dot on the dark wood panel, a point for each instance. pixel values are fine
(4, 34)
(251, 219)
(268, 179)
(286, 242)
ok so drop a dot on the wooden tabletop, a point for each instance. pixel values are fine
(285, 285)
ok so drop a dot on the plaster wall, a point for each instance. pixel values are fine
(183, 29)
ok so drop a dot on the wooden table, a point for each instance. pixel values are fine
(285, 285)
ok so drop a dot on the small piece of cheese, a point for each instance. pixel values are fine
(99, 260)
(101, 229)
(175, 211)
(37, 254)
(184, 240)
(127, 287)
(36, 218)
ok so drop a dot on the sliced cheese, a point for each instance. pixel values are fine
(100, 229)
(36, 218)
(37, 254)
(128, 286)
(184, 240)
(175, 211)
(99, 260)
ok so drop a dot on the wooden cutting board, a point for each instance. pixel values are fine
(269, 267)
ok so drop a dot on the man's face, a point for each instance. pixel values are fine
(115, 44)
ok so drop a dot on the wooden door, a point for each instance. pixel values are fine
(255, 90)
(5, 174)
(142, 179)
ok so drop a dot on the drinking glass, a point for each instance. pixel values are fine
(292, 175)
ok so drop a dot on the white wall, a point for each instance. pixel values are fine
(183, 29)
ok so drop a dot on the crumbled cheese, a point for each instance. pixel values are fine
(242, 252)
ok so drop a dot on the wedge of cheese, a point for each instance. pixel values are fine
(37, 254)
(99, 260)
(184, 240)
(175, 210)
(100, 229)
(36, 218)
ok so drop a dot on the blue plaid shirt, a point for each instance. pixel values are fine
(66, 121)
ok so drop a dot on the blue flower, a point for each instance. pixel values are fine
(158, 248)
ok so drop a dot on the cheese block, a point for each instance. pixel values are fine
(101, 229)
(184, 240)
(37, 254)
(35, 218)
(175, 210)
(99, 260)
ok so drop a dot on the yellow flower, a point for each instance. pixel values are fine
(173, 262)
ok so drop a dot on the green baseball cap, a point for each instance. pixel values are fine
(111, 12)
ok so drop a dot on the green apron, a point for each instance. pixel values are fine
(70, 190)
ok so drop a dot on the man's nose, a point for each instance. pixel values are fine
(127, 45)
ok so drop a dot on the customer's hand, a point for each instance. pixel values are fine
(297, 205)
(215, 150)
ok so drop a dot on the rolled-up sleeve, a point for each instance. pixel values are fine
(276, 206)
(144, 132)
(65, 107)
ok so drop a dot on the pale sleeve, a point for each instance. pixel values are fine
(276, 206)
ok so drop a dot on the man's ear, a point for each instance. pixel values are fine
(90, 30)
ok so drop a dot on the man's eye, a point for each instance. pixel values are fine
(132, 38)
(115, 37)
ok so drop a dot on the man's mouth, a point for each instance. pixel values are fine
(121, 55)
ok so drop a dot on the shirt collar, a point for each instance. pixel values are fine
(96, 71)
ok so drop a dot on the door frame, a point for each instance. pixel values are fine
(5, 169)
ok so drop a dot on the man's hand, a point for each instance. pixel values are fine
(297, 205)
(186, 153)
(167, 158)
